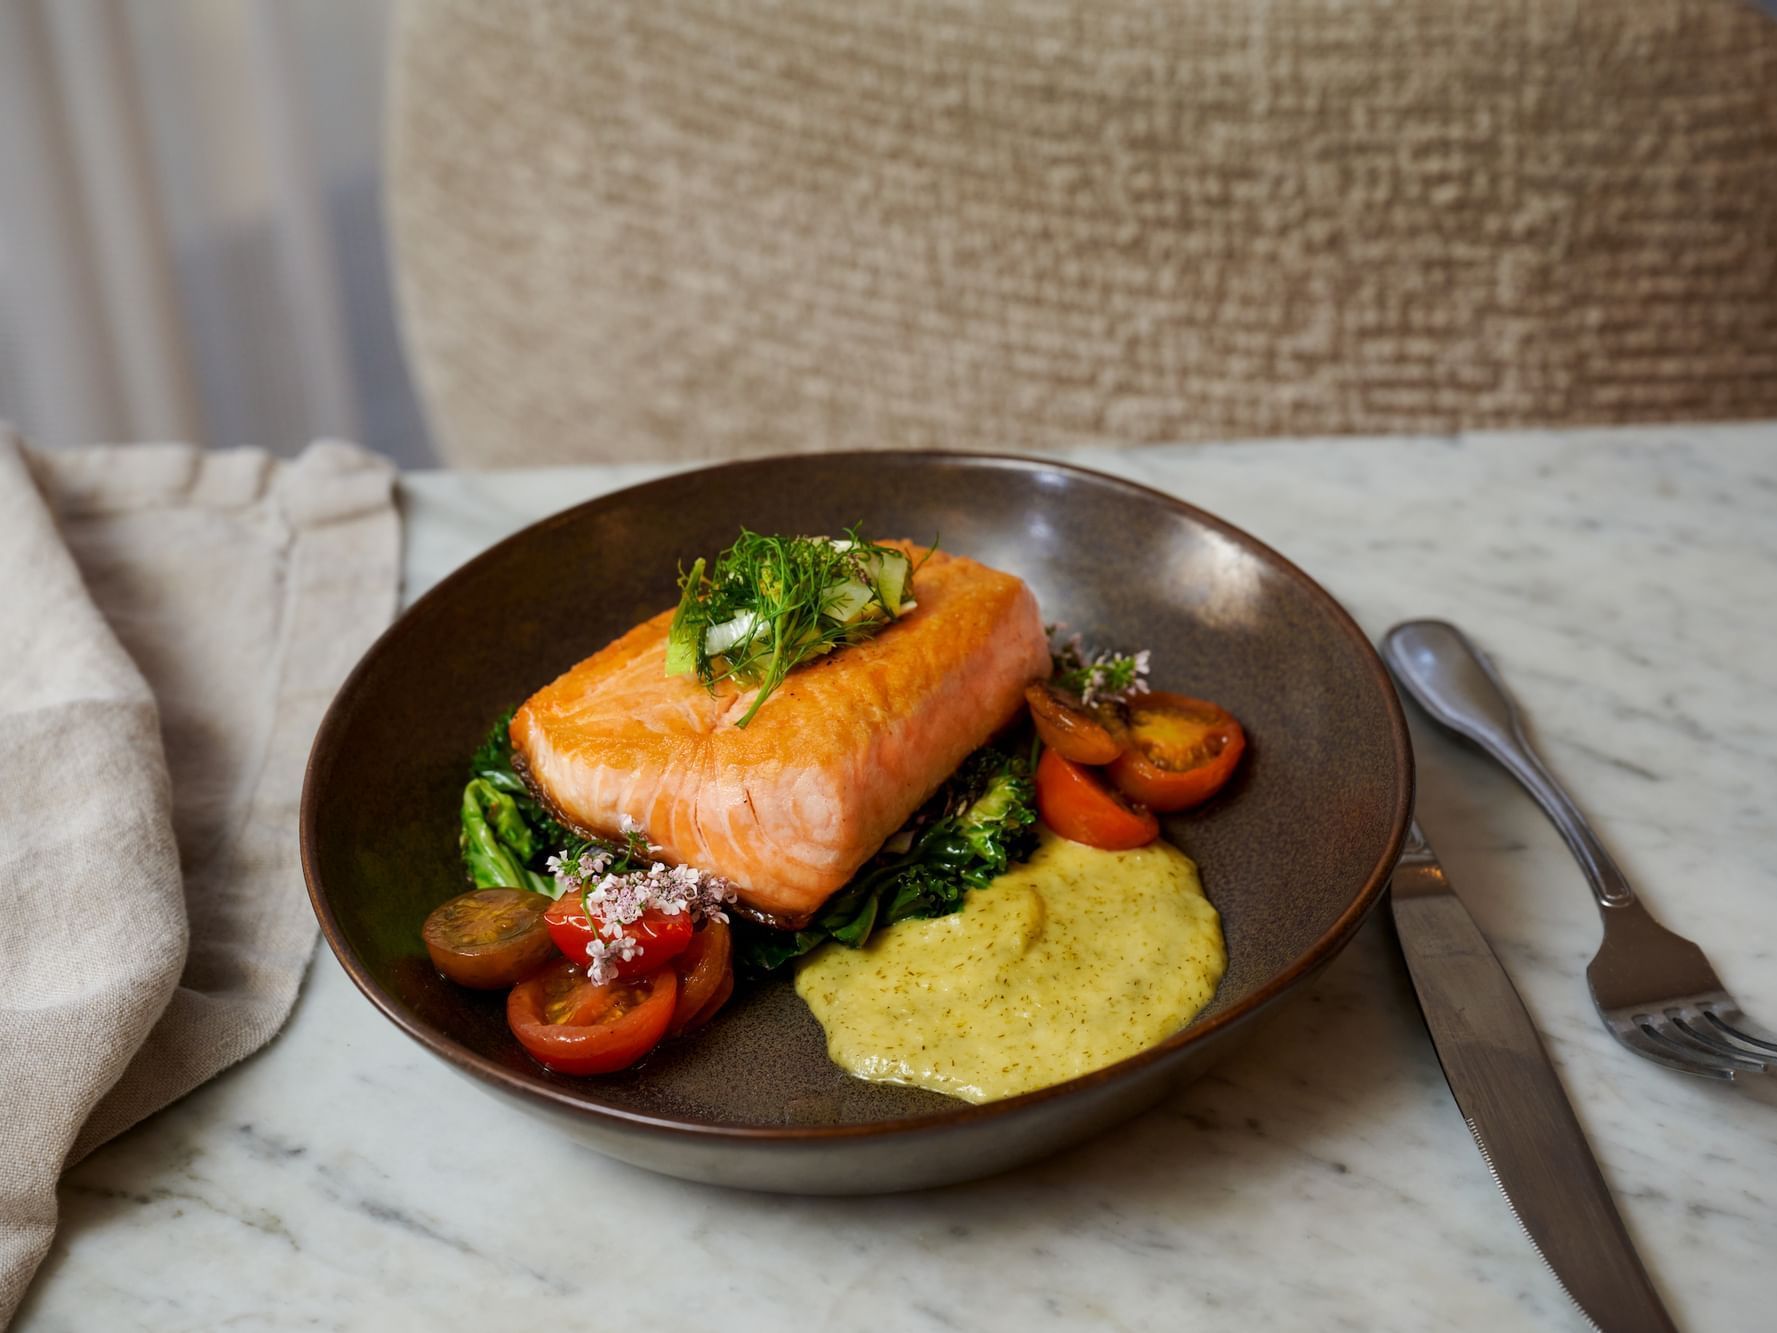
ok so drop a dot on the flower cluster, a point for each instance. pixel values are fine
(619, 886)
(1104, 677)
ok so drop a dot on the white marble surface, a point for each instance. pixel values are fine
(1321, 1179)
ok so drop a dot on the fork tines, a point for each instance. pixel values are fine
(1704, 1034)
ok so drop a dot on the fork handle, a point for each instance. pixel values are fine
(1451, 679)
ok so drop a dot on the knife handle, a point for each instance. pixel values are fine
(1452, 681)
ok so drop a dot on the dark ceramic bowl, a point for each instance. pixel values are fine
(1294, 853)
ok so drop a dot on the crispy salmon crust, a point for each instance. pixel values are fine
(834, 762)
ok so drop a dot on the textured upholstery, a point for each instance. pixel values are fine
(687, 228)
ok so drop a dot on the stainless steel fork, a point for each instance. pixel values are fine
(1655, 990)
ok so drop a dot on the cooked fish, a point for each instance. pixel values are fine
(834, 762)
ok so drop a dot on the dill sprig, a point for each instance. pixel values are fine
(770, 603)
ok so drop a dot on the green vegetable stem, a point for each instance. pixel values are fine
(497, 842)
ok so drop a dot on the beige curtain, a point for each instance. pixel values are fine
(190, 237)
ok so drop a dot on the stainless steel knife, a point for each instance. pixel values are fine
(1512, 1099)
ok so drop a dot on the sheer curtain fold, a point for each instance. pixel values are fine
(190, 238)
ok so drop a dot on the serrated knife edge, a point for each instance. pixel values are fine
(1506, 1194)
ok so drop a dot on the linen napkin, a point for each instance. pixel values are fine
(173, 623)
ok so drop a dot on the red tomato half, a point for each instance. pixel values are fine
(574, 1026)
(660, 936)
(1180, 753)
(702, 968)
(1074, 801)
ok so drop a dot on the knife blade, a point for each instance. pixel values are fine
(1512, 1099)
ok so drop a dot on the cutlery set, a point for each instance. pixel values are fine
(1654, 990)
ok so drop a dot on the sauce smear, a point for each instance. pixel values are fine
(1070, 962)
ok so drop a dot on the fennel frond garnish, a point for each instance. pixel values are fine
(769, 604)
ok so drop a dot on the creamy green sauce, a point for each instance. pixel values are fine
(1070, 962)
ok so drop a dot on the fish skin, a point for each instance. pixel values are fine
(848, 746)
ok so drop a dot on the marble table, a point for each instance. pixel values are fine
(1626, 581)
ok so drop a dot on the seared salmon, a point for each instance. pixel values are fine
(788, 808)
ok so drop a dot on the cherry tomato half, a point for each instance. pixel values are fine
(489, 938)
(574, 1026)
(660, 937)
(1074, 801)
(1070, 728)
(1181, 751)
(702, 967)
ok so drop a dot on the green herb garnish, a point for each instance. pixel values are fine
(769, 604)
(980, 822)
(1103, 677)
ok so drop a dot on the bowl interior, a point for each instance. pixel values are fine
(1292, 849)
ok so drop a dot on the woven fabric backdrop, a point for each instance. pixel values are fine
(693, 228)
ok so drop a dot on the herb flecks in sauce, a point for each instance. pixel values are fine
(1071, 962)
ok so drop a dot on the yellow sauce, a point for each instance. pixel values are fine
(1063, 965)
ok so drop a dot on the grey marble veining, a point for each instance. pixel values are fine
(1626, 582)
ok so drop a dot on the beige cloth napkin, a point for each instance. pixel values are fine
(173, 623)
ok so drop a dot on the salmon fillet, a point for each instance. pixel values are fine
(788, 808)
